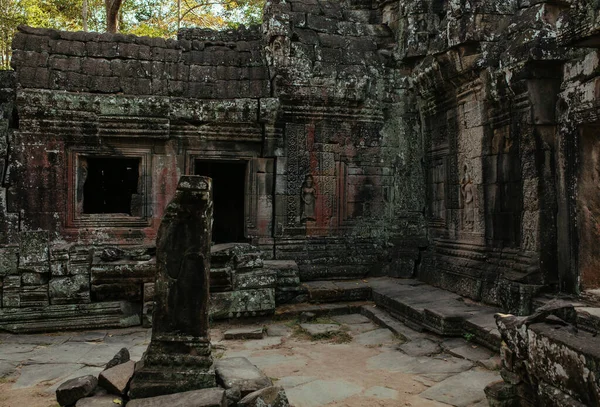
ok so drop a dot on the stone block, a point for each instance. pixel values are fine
(33, 248)
(236, 304)
(245, 333)
(8, 261)
(256, 279)
(116, 379)
(69, 290)
(72, 390)
(100, 401)
(213, 397)
(240, 373)
(121, 357)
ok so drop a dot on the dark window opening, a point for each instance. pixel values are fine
(110, 184)
(228, 194)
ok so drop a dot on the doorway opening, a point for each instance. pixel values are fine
(229, 186)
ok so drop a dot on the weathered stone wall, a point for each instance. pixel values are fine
(311, 103)
(487, 75)
(447, 140)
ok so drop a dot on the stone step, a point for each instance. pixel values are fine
(338, 291)
(421, 306)
(295, 310)
(116, 314)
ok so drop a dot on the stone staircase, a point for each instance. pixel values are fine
(394, 303)
(414, 303)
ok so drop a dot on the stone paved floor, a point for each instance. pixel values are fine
(366, 366)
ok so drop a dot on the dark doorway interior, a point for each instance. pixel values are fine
(228, 190)
(109, 184)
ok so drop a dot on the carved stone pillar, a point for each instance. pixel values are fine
(179, 356)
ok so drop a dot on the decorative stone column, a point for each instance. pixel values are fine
(179, 356)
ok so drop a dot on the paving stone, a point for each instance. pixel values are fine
(472, 352)
(421, 347)
(320, 329)
(277, 359)
(292, 381)
(32, 375)
(100, 401)
(34, 339)
(263, 343)
(399, 362)
(92, 336)
(70, 352)
(116, 379)
(245, 333)
(322, 392)
(360, 328)
(279, 330)
(7, 368)
(100, 354)
(16, 352)
(72, 390)
(213, 397)
(463, 389)
(239, 372)
(377, 337)
(351, 319)
(379, 392)
(269, 396)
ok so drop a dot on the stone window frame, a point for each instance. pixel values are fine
(77, 219)
(250, 193)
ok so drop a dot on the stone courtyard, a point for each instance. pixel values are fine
(368, 365)
(431, 165)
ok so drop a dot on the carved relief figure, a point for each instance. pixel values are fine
(309, 198)
(466, 188)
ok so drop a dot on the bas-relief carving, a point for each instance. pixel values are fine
(589, 211)
(308, 197)
(467, 193)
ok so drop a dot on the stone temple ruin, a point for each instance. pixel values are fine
(450, 143)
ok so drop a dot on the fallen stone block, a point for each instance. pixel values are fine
(106, 400)
(239, 372)
(72, 390)
(267, 397)
(116, 379)
(213, 397)
(121, 357)
(244, 333)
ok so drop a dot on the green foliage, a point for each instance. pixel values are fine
(154, 18)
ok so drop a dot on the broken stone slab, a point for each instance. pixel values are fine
(116, 379)
(72, 390)
(320, 329)
(212, 397)
(269, 396)
(463, 389)
(239, 372)
(421, 347)
(121, 357)
(105, 400)
(245, 333)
